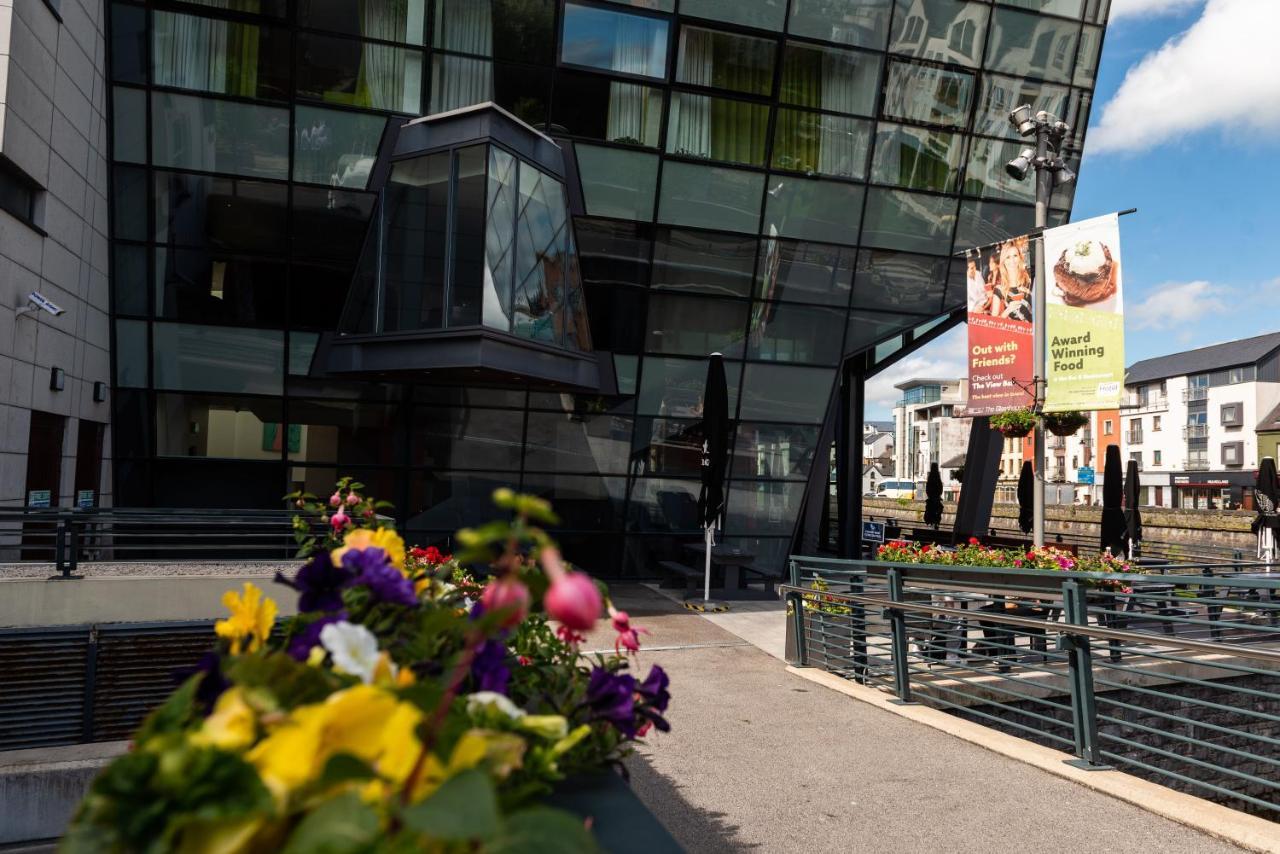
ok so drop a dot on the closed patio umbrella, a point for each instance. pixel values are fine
(933, 497)
(715, 449)
(1113, 524)
(1266, 498)
(1132, 515)
(1026, 498)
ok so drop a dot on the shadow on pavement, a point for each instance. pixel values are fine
(697, 830)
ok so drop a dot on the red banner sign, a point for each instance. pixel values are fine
(1001, 342)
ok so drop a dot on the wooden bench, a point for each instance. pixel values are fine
(769, 577)
(676, 570)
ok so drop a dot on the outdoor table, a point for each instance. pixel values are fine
(730, 558)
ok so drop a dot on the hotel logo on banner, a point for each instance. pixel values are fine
(1001, 357)
(1085, 335)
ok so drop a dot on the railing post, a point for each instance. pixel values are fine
(795, 651)
(898, 625)
(60, 546)
(66, 548)
(1084, 706)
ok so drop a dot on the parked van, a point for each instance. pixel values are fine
(896, 489)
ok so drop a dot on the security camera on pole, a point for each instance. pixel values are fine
(1051, 170)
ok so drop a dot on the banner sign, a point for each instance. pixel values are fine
(1001, 357)
(1085, 336)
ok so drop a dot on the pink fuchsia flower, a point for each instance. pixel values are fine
(509, 596)
(524, 660)
(335, 500)
(628, 637)
(352, 499)
(574, 601)
(339, 520)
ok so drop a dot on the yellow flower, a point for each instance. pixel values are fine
(251, 619)
(219, 837)
(571, 740)
(383, 538)
(547, 726)
(231, 726)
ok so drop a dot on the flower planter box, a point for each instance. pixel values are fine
(969, 576)
(621, 823)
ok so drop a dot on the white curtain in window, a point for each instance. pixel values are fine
(690, 114)
(383, 69)
(840, 145)
(465, 26)
(190, 52)
(457, 81)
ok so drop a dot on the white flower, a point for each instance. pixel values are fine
(354, 649)
(492, 699)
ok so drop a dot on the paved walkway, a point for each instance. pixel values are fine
(760, 759)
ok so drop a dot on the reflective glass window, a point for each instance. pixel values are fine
(459, 81)
(128, 43)
(446, 501)
(762, 507)
(725, 61)
(202, 286)
(335, 147)
(317, 292)
(674, 387)
(867, 327)
(131, 353)
(1095, 11)
(614, 40)
(500, 239)
(612, 110)
(585, 503)
(917, 158)
(467, 438)
(189, 132)
(188, 357)
(129, 125)
(923, 93)
(1000, 95)
(665, 504)
(228, 213)
(614, 312)
(710, 197)
(359, 74)
(574, 442)
(668, 446)
(821, 144)
(986, 175)
(129, 205)
(899, 281)
(981, 223)
(239, 428)
(617, 183)
(895, 219)
(302, 349)
(794, 271)
(504, 29)
(941, 30)
(274, 8)
(329, 223)
(1031, 45)
(703, 262)
(130, 283)
(349, 432)
(782, 332)
(717, 128)
(223, 57)
(1086, 70)
(785, 393)
(761, 14)
(523, 91)
(827, 211)
(386, 20)
(469, 192)
(779, 451)
(1068, 8)
(613, 253)
(863, 23)
(828, 78)
(695, 326)
(414, 241)
(543, 254)
(656, 5)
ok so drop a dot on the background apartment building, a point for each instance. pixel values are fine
(926, 430)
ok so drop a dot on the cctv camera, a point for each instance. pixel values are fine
(1019, 166)
(1021, 119)
(39, 302)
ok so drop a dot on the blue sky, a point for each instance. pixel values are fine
(1186, 128)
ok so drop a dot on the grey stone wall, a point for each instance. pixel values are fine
(53, 128)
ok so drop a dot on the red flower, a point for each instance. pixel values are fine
(973, 541)
(524, 660)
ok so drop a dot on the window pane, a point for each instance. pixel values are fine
(614, 314)
(695, 326)
(128, 43)
(762, 507)
(129, 207)
(614, 41)
(131, 353)
(941, 30)
(674, 387)
(275, 8)
(1000, 95)
(781, 332)
(725, 61)
(909, 221)
(864, 23)
(582, 503)
(569, 442)
(130, 283)
(698, 262)
(229, 213)
(867, 327)
(897, 281)
(828, 78)
(717, 128)
(359, 74)
(500, 239)
(922, 93)
(774, 451)
(668, 446)
(1031, 45)
(820, 144)
(543, 258)
(613, 253)
(413, 255)
(469, 196)
(223, 57)
(599, 108)
(457, 81)
(302, 349)
(191, 425)
(335, 148)
(523, 91)
(352, 432)
(665, 504)
(329, 223)
(805, 272)
(813, 210)
(388, 20)
(986, 175)
(785, 393)
(504, 29)
(617, 183)
(129, 125)
(317, 293)
(710, 197)
(918, 158)
(761, 14)
(208, 135)
(467, 438)
(211, 286)
(1067, 8)
(1086, 72)
(981, 223)
(218, 358)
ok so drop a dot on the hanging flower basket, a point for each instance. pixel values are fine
(1064, 423)
(1015, 423)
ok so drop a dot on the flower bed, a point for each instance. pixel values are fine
(407, 707)
(975, 554)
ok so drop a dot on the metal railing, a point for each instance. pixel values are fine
(1152, 403)
(1195, 431)
(1173, 676)
(1133, 437)
(1198, 464)
(1195, 392)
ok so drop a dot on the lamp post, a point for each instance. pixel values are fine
(1051, 170)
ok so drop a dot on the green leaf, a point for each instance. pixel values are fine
(174, 713)
(543, 830)
(464, 807)
(291, 682)
(339, 826)
(343, 768)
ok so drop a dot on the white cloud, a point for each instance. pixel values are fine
(942, 358)
(1174, 305)
(1139, 8)
(1224, 72)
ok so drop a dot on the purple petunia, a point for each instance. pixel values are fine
(489, 667)
(372, 570)
(212, 682)
(300, 645)
(611, 697)
(319, 584)
(654, 697)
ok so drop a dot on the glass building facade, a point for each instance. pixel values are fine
(782, 181)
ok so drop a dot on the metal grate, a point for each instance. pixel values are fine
(43, 673)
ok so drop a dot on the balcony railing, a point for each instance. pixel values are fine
(1058, 475)
(1057, 442)
(1133, 437)
(1195, 392)
(1198, 464)
(1195, 431)
(1151, 403)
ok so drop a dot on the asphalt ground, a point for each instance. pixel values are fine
(759, 759)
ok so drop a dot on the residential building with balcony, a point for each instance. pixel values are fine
(1192, 421)
(927, 431)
